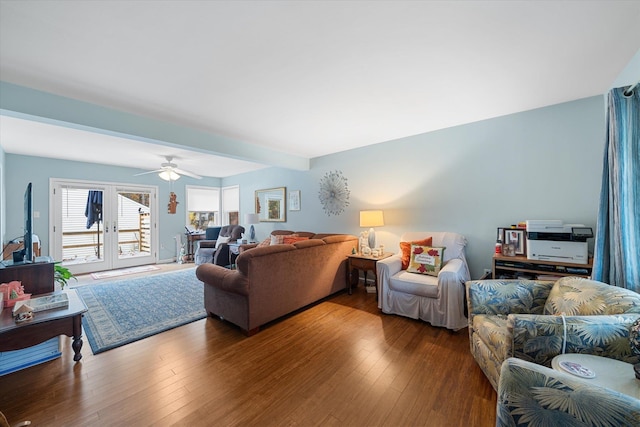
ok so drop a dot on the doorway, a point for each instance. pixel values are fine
(102, 226)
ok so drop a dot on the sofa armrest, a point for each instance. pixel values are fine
(527, 391)
(385, 269)
(539, 338)
(246, 247)
(507, 296)
(389, 266)
(223, 278)
(454, 270)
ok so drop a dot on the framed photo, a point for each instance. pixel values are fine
(271, 204)
(294, 200)
(515, 236)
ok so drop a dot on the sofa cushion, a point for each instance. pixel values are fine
(405, 247)
(414, 284)
(265, 242)
(493, 331)
(425, 260)
(578, 296)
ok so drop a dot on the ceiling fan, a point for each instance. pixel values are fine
(170, 172)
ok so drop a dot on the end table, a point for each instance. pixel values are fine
(611, 373)
(364, 263)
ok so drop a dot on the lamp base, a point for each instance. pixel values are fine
(372, 238)
(252, 233)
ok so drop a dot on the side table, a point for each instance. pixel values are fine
(234, 251)
(45, 325)
(191, 239)
(610, 373)
(364, 263)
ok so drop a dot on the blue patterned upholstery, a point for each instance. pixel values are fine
(521, 318)
(534, 395)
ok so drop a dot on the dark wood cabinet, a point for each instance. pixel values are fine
(37, 278)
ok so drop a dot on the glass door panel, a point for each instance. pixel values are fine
(79, 236)
(133, 227)
(100, 227)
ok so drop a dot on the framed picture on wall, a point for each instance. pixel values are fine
(515, 236)
(294, 200)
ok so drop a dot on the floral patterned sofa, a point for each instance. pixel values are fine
(526, 319)
(530, 394)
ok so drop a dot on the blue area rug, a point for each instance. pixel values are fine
(129, 310)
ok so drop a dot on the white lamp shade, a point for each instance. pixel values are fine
(251, 219)
(371, 219)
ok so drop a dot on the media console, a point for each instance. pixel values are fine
(511, 267)
(36, 277)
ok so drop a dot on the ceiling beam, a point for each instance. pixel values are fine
(26, 103)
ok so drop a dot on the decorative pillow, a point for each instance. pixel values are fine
(265, 242)
(290, 239)
(278, 239)
(220, 240)
(405, 247)
(425, 260)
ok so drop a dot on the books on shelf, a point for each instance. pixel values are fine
(47, 302)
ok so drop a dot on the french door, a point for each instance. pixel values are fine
(101, 226)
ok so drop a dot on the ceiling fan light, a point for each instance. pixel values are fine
(169, 175)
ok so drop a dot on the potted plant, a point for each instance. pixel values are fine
(61, 275)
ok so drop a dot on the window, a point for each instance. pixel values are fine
(230, 205)
(203, 207)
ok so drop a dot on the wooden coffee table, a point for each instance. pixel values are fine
(44, 325)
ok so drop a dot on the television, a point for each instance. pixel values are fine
(25, 255)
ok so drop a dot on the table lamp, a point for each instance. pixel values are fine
(252, 219)
(371, 219)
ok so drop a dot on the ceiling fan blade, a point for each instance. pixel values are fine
(187, 173)
(148, 172)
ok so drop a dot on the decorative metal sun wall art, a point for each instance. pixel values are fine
(334, 193)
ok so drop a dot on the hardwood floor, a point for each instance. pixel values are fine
(340, 362)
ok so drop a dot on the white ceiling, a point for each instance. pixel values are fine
(308, 78)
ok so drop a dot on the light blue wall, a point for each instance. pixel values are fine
(24, 169)
(540, 164)
(2, 197)
(630, 74)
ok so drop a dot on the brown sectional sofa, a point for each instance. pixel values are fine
(275, 280)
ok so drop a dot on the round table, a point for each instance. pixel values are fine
(609, 373)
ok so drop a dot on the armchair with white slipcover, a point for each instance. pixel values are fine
(439, 299)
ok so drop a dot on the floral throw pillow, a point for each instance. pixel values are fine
(405, 247)
(425, 260)
(265, 242)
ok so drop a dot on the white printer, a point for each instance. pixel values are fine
(551, 240)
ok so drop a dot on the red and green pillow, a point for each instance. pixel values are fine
(405, 247)
(425, 260)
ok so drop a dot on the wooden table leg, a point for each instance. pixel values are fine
(77, 337)
(354, 278)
